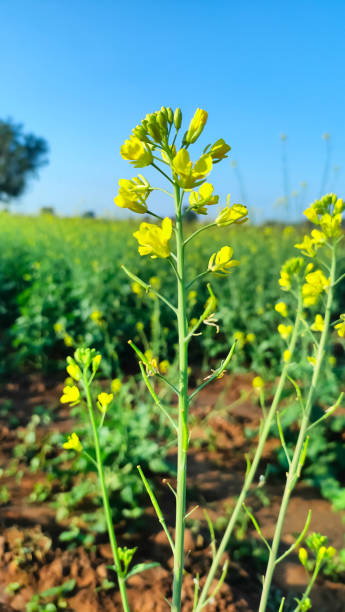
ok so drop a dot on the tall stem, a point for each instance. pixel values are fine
(106, 504)
(253, 469)
(183, 411)
(295, 466)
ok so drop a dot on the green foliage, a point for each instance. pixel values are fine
(51, 600)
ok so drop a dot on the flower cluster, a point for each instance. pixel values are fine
(291, 270)
(326, 213)
(316, 283)
(154, 240)
(221, 263)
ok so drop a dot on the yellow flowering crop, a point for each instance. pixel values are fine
(237, 213)
(221, 263)
(340, 327)
(258, 383)
(315, 284)
(103, 401)
(133, 194)
(73, 443)
(70, 395)
(74, 371)
(191, 175)
(136, 152)
(281, 308)
(196, 126)
(318, 324)
(199, 201)
(154, 240)
(284, 330)
(286, 356)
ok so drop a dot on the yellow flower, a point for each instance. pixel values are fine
(303, 556)
(221, 262)
(154, 240)
(312, 360)
(58, 327)
(70, 395)
(136, 153)
(152, 367)
(318, 324)
(219, 150)
(96, 316)
(190, 175)
(164, 366)
(241, 338)
(292, 267)
(315, 284)
(116, 385)
(192, 295)
(68, 340)
(250, 337)
(307, 246)
(196, 126)
(340, 327)
(139, 326)
(155, 282)
(287, 356)
(137, 289)
(133, 194)
(258, 383)
(285, 281)
(281, 308)
(199, 201)
(332, 360)
(96, 362)
(74, 371)
(73, 443)
(237, 213)
(103, 401)
(331, 226)
(284, 330)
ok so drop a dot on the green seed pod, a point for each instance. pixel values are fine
(178, 118)
(170, 115)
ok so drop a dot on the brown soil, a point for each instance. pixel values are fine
(32, 555)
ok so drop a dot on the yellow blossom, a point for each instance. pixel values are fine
(199, 201)
(258, 383)
(315, 284)
(133, 194)
(307, 247)
(70, 395)
(191, 175)
(74, 371)
(136, 152)
(240, 337)
(312, 360)
(155, 282)
(103, 401)
(116, 385)
(219, 150)
(196, 126)
(331, 225)
(237, 213)
(139, 326)
(164, 366)
(96, 362)
(287, 356)
(221, 262)
(250, 337)
(137, 289)
(58, 327)
(68, 340)
(152, 366)
(318, 324)
(192, 295)
(73, 443)
(332, 360)
(284, 330)
(340, 327)
(96, 316)
(281, 308)
(303, 556)
(154, 240)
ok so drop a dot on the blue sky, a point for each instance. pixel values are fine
(82, 74)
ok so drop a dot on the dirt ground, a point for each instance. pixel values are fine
(216, 467)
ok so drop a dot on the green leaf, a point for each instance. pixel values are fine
(141, 567)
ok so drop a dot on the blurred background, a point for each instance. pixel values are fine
(80, 75)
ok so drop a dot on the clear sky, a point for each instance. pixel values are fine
(82, 74)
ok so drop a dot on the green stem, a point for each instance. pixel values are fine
(183, 411)
(251, 472)
(106, 504)
(295, 466)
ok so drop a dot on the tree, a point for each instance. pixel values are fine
(20, 157)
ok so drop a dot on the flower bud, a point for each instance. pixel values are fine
(178, 118)
(196, 126)
(170, 115)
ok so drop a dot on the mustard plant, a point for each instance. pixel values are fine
(157, 143)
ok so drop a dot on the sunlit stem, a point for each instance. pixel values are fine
(155, 396)
(105, 497)
(148, 287)
(183, 437)
(156, 506)
(198, 231)
(199, 277)
(300, 449)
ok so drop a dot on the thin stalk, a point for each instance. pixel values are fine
(182, 410)
(251, 472)
(106, 504)
(201, 229)
(295, 465)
